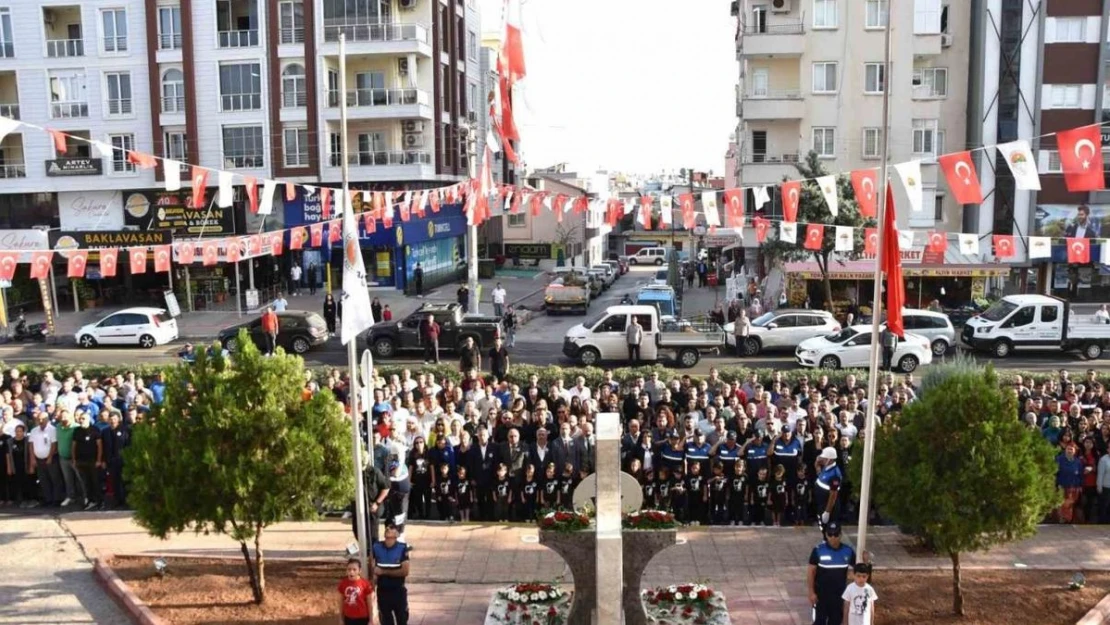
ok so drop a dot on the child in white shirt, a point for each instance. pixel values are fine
(859, 598)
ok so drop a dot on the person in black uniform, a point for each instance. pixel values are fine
(88, 457)
(567, 483)
(445, 494)
(527, 492)
(116, 438)
(827, 576)
(421, 475)
(464, 495)
(802, 494)
(647, 487)
(680, 497)
(391, 567)
(718, 495)
(502, 495)
(549, 491)
(375, 491)
(697, 495)
(418, 280)
(22, 482)
(759, 496)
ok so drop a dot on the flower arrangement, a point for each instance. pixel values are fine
(564, 521)
(648, 520)
(686, 603)
(533, 592)
(530, 603)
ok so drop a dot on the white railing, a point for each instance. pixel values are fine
(790, 27)
(65, 110)
(115, 44)
(169, 42)
(241, 102)
(58, 48)
(119, 107)
(294, 99)
(774, 94)
(238, 38)
(253, 161)
(376, 32)
(378, 159)
(13, 171)
(379, 97)
(770, 157)
(292, 35)
(175, 104)
(11, 111)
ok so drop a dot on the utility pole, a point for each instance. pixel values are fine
(468, 135)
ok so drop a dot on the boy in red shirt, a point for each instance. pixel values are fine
(354, 596)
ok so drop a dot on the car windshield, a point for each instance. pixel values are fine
(840, 337)
(763, 319)
(999, 310)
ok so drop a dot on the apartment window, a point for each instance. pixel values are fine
(169, 28)
(874, 77)
(114, 24)
(824, 14)
(356, 12)
(293, 91)
(173, 91)
(240, 87)
(291, 16)
(924, 137)
(118, 92)
(68, 95)
(174, 146)
(872, 143)
(1064, 96)
(824, 77)
(926, 17)
(335, 149)
(940, 142)
(295, 147)
(1054, 166)
(472, 45)
(7, 48)
(473, 98)
(1070, 29)
(372, 149)
(938, 206)
(824, 142)
(930, 82)
(517, 220)
(121, 145)
(877, 11)
(243, 147)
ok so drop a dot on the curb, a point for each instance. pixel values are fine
(138, 611)
(1098, 615)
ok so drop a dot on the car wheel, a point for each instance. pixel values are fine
(87, 341)
(751, 346)
(939, 347)
(385, 348)
(232, 344)
(908, 363)
(830, 362)
(633, 261)
(1002, 349)
(1092, 351)
(659, 262)
(301, 345)
(688, 358)
(147, 341)
(588, 357)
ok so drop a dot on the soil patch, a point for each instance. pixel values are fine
(1025, 597)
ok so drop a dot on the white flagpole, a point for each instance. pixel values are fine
(877, 306)
(352, 345)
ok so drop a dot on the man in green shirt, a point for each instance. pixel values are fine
(65, 429)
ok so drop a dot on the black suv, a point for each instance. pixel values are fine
(389, 337)
(298, 332)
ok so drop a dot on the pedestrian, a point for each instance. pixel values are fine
(499, 359)
(313, 270)
(88, 460)
(462, 296)
(294, 278)
(690, 276)
(429, 339)
(331, 313)
(634, 336)
(376, 309)
(742, 329)
(270, 327)
(889, 341)
(397, 503)
(498, 297)
(391, 567)
(418, 280)
(21, 476)
(387, 314)
(1102, 315)
(469, 356)
(44, 461)
(280, 303)
(116, 439)
(827, 576)
(65, 429)
(859, 597)
(509, 322)
(375, 490)
(354, 596)
(827, 492)
(1103, 488)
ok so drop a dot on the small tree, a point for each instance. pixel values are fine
(235, 448)
(959, 471)
(812, 209)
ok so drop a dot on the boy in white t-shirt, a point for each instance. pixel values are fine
(859, 598)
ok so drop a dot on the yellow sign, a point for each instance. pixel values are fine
(400, 236)
(431, 230)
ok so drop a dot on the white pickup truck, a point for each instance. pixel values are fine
(1035, 322)
(604, 338)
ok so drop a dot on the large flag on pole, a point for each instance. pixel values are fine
(891, 259)
(357, 317)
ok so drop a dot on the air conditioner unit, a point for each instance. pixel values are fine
(406, 5)
(410, 126)
(945, 40)
(403, 66)
(781, 6)
(413, 140)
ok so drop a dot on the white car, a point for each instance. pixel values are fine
(145, 327)
(784, 328)
(851, 347)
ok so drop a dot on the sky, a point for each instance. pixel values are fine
(637, 86)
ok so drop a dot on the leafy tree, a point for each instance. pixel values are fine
(812, 209)
(959, 471)
(235, 448)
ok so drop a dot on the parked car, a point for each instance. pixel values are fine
(604, 274)
(618, 268)
(298, 332)
(935, 326)
(851, 347)
(145, 327)
(662, 297)
(661, 278)
(784, 328)
(568, 293)
(604, 338)
(1035, 322)
(390, 337)
(648, 256)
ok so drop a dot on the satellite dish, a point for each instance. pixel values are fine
(632, 498)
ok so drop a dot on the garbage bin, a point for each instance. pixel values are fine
(486, 268)
(711, 279)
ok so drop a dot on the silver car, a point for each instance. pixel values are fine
(784, 328)
(935, 326)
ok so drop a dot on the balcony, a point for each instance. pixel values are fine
(63, 31)
(9, 95)
(69, 110)
(121, 106)
(291, 35)
(13, 170)
(238, 38)
(62, 48)
(168, 41)
(382, 104)
(382, 159)
(174, 104)
(371, 33)
(773, 104)
(768, 167)
(785, 38)
(237, 23)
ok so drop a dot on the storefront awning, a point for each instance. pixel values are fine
(865, 270)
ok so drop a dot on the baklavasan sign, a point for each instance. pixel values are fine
(25, 241)
(90, 210)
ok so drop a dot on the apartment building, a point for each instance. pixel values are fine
(812, 78)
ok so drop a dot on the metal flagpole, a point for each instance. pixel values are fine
(473, 303)
(877, 306)
(352, 355)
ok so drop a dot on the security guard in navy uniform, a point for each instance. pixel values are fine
(673, 452)
(391, 567)
(827, 577)
(755, 453)
(697, 451)
(827, 492)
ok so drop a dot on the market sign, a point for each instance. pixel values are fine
(171, 210)
(74, 167)
(529, 250)
(68, 240)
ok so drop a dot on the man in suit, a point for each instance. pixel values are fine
(514, 455)
(566, 450)
(587, 446)
(542, 453)
(482, 468)
(1083, 227)
(629, 442)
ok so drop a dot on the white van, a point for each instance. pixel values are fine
(1038, 322)
(604, 338)
(648, 256)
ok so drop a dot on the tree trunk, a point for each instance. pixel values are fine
(260, 562)
(823, 265)
(957, 590)
(256, 591)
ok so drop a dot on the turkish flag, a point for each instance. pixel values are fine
(406, 213)
(59, 141)
(369, 223)
(108, 262)
(325, 202)
(1004, 245)
(335, 231)
(892, 266)
(254, 245)
(316, 234)
(210, 253)
(162, 257)
(387, 216)
(8, 262)
(140, 160)
(200, 187)
(276, 241)
(252, 193)
(537, 202)
(290, 192)
(1081, 158)
(686, 203)
(186, 253)
(433, 201)
(815, 236)
(937, 242)
(864, 184)
(962, 178)
(761, 227)
(560, 203)
(77, 261)
(234, 249)
(734, 208)
(581, 205)
(296, 238)
(791, 196)
(40, 265)
(645, 216)
(137, 256)
(871, 241)
(1079, 251)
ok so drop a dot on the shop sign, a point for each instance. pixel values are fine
(74, 167)
(90, 210)
(70, 240)
(306, 209)
(24, 241)
(171, 210)
(529, 250)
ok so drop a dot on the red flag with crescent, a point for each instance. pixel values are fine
(871, 241)
(210, 253)
(186, 253)
(8, 262)
(108, 262)
(961, 177)
(316, 234)
(252, 193)
(761, 226)
(645, 216)
(1081, 158)
(200, 187)
(892, 266)
(1079, 251)
(686, 203)
(537, 202)
(234, 249)
(140, 160)
(433, 200)
(137, 256)
(254, 245)
(1004, 245)
(59, 138)
(866, 188)
(815, 236)
(40, 265)
(937, 242)
(163, 257)
(325, 202)
(369, 222)
(734, 207)
(78, 259)
(560, 202)
(276, 241)
(335, 230)
(296, 238)
(791, 197)
(290, 192)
